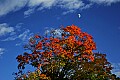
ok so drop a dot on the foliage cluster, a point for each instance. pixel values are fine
(64, 54)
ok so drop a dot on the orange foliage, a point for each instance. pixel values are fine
(72, 41)
(71, 45)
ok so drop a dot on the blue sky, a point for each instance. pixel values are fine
(19, 19)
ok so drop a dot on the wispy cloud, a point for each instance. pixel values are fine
(43, 3)
(36, 5)
(66, 12)
(5, 29)
(28, 12)
(116, 69)
(2, 51)
(23, 36)
(57, 32)
(7, 6)
(86, 6)
(108, 2)
(15, 33)
(69, 5)
(10, 38)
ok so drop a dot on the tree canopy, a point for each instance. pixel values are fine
(63, 54)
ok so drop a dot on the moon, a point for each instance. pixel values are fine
(79, 15)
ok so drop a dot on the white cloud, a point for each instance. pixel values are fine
(5, 29)
(116, 69)
(19, 26)
(42, 3)
(24, 35)
(86, 6)
(16, 32)
(117, 73)
(28, 12)
(108, 2)
(57, 32)
(11, 38)
(22, 38)
(70, 11)
(7, 6)
(2, 51)
(70, 4)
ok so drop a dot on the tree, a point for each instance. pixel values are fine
(63, 54)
